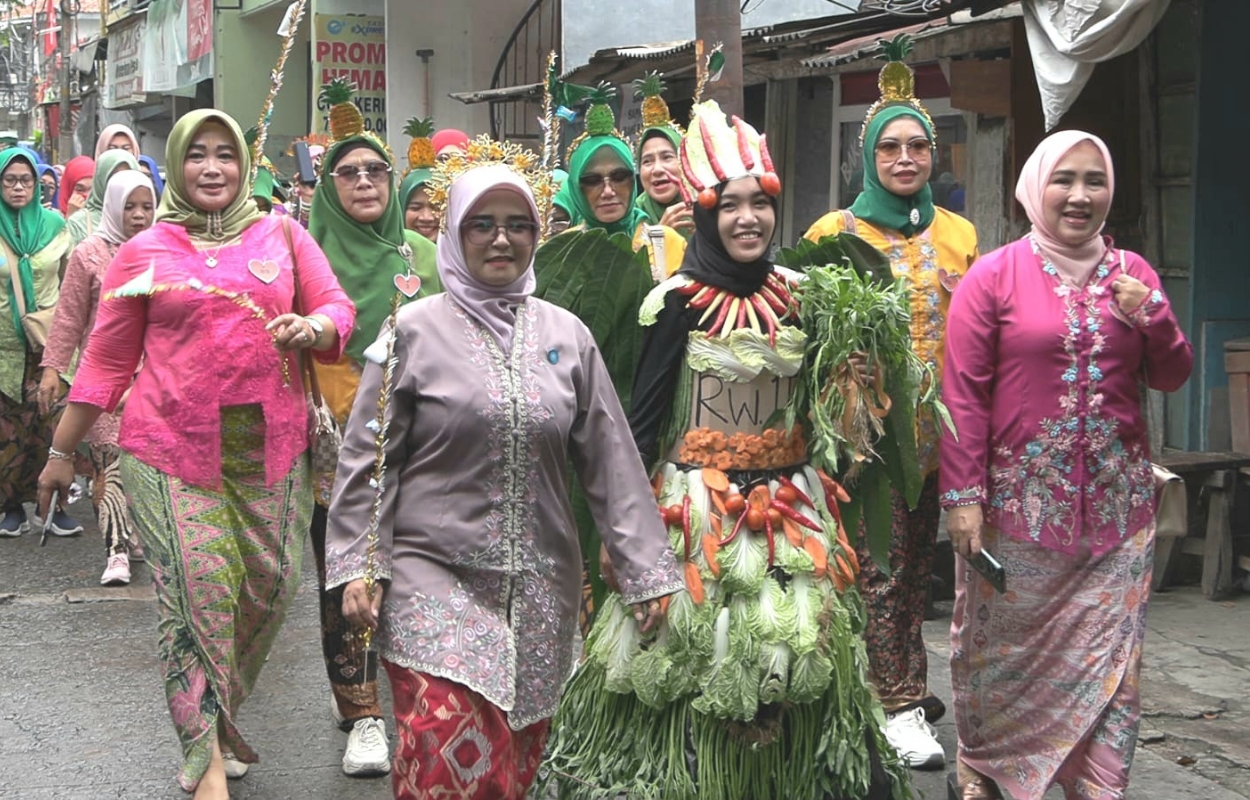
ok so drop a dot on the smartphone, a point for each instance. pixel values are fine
(47, 520)
(303, 158)
(990, 569)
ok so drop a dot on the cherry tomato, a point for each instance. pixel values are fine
(674, 515)
(755, 519)
(786, 495)
(735, 503)
(774, 516)
(708, 197)
(771, 184)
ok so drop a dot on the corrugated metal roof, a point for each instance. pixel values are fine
(855, 49)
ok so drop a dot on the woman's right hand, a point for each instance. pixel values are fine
(49, 387)
(357, 607)
(964, 524)
(57, 476)
(679, 217)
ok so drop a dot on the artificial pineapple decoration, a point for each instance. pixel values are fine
(420, 149)
(345, 119)
(896, 80)
(650, 90)
(600, 119)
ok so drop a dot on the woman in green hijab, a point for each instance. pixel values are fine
(217, 301)
(358, 220)
(659, 170)
(33, 240)
(84, 221)
(419, 213)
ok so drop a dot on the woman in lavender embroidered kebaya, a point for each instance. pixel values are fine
(1048, 341)
(494, 394)
(215, 429)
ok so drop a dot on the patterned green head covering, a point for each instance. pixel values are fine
(367, 257)
(176, 206)
(879, 205)
(577, 165)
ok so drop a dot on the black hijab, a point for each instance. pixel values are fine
(707, 260)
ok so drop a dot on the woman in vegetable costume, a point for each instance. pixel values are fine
(930, 247)
(659, 168)
(754, 685)
(604, 187)
(451, 527)
(358, 221)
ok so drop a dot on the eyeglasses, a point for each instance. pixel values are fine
(594, 180)
(916, 148)
(375, 171)
(12, 181)
(485, 230)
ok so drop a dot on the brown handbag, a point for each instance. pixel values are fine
(325, 438)
(35, 324)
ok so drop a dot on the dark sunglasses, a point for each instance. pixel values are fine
(618, 177)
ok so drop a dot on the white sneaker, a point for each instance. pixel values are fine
(117, 572)
(235, 768)
(914, 739)
(368, 752)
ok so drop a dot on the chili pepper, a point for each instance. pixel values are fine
(734, 307)
(685, 193)
(734, 533)
(744, 146)
(795, 516)
(690, 288)
(765, 158)
(832, 487)
(685, 523)
(773, 301)
(685, 167)
(703, 298)
(802, 496)
(769, 318)
(772, 543)
(720, 315)
(709, 147)
(742, 312)
(717, 300)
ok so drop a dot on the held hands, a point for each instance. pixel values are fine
(1129, 293)
(291, 332)
(964, 524)
(356, 606)
(679, 217)
(648, 614)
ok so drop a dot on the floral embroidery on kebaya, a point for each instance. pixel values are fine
(1035, 486)
(968, 496)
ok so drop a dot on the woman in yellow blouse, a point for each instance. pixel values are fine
(932, 248)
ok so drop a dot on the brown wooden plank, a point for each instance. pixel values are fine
(1182, 461)
(1217, 560)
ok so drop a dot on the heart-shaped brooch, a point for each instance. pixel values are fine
(265, 271)
(408, 285)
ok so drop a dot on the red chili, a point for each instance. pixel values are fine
(737, 527)
(744, 146)
(720, 315)
(704, 298)
(685, 523)
(709, 147)
(742, 313)
(765, 156)
(773, 301)
(691, 288)
(764, 311)
(784, 481)
(772, 542)
(795, 516)
(685, 166)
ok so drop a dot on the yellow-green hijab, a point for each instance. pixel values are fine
(176, 207)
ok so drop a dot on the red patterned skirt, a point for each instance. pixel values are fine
(454, 743)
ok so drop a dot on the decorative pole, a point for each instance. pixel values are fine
(287, 30)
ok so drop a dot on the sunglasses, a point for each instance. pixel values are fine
(617, 177)
(916, 148)
(375, 171)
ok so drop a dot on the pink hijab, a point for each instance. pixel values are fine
(493, 306)
(116, 193)
(106, 136)
(1070, 260)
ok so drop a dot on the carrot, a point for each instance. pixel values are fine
(793, 534)
(844, 568)
(718, 501)
(817, 551)
(664, 601)
(711, 544)
(716, 525)
(715, 480)
(839, 582)
(694, 583)
(833, 487)
(852, 558)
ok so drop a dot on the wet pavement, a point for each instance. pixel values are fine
(82, 710)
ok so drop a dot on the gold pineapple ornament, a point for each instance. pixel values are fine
(345, 119)
(896, 81)
(650, 90)
(421, 148)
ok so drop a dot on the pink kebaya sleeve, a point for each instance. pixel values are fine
(1169, 355)
(972, 330)
(73, 309)
(108, 365)
(320, 291)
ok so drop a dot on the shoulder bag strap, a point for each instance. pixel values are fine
(306, 365)
(14, 277)
(849, 223)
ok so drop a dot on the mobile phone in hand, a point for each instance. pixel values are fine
(985, 563)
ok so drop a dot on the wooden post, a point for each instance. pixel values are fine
(721, 21)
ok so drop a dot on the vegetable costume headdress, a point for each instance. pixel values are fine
(897, 83)
(714, 152)
(483, 151)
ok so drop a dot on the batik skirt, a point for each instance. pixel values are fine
(225, 565)
(25, 435)
(454, 743)
(1045, 677)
